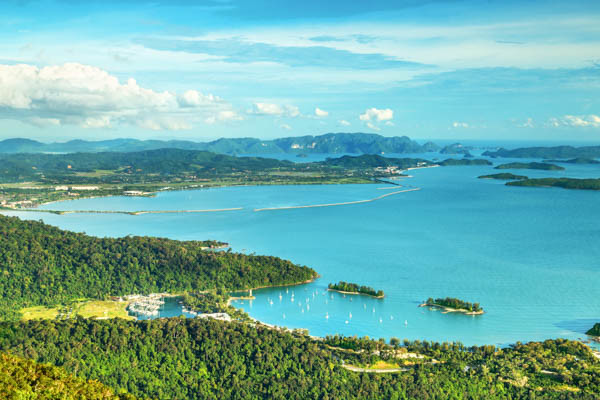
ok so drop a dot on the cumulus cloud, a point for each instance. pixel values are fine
(374, 114)
(286, 127)
(576, 121)
(344, 122)
(321, 113)
(457, 124)
(274, 109)
(89, 97)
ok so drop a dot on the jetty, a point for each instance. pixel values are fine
(338, 204)
(147, 306)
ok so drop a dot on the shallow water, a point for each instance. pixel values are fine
(530, 256)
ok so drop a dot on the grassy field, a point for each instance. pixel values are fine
(39, 312)
(86, 309)
(380, 364)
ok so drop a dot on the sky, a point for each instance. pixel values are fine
(204, 69)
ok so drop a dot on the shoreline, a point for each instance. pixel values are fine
(154, 193)
(450, 309)
(283, 285)
(232, 298)
(356, 293)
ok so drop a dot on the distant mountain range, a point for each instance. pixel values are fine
(547, 152)
(332, 143)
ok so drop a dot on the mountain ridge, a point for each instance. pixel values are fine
(333, 143)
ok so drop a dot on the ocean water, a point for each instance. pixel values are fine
(530, 256)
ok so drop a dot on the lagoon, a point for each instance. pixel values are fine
(528, 255)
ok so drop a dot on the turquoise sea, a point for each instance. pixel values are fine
(530, 256)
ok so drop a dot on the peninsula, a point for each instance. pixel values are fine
(353, 288)
(450, 304)
(594, 331)
(565, 183)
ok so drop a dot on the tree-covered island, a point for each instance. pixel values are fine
(531, 165)
(503, 176)
(451, 304)
(353, 288)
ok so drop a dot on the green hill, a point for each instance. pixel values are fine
(44, 265)
(26, 379)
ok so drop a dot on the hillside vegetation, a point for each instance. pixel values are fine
(44, 265)
(25, 379)
(179, 358)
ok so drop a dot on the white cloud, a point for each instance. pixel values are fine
(321, 113)
(373, 126)
(89, 97)
(527, 124)
(193, 98)
(374, 114)
(274, 109)
(224, 116)
(286, 127)
(457, 124)
(344, 122)
(389, 123)
(576, 121)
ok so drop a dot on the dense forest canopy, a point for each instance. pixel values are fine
(25, 379)
(44, 265)
(180, 358)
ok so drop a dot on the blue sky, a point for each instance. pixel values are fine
(204, 69)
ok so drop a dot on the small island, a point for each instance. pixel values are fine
(450, 304)
(506, 176)
(531, 165)
(353, 288)
(595, 331)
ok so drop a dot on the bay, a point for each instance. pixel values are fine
(530, 256)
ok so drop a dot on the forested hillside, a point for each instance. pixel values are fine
(44, 265)
(180, 358)
(25, 379)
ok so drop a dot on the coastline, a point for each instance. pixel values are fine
(450, 309)
(153, 193)
(356, 293)
(232, 298)
(283, 285)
